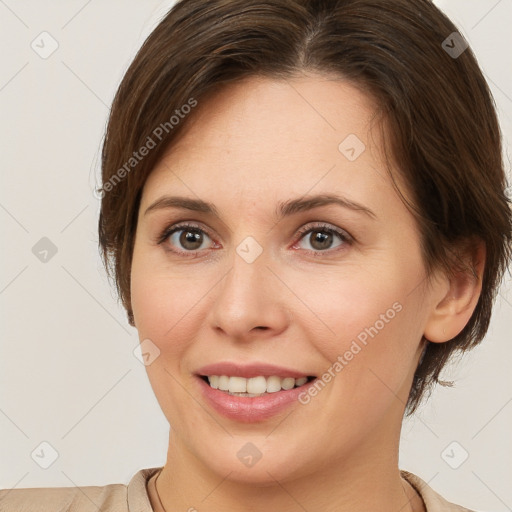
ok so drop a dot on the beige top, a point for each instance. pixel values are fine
(140, 493)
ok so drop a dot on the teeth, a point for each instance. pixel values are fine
(288, 383)
(224, 383)
(255, 386)
(238, 385)
(273, 384)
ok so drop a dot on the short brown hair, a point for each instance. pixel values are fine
(442, 126)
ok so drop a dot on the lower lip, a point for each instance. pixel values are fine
(250, 409)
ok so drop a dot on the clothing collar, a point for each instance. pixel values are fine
(138, 498)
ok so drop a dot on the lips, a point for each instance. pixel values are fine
(250, 370)
(248, 406)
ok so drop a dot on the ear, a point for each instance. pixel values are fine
(455, 296)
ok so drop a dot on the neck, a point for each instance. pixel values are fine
(366, 479)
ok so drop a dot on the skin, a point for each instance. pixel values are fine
(249, 146)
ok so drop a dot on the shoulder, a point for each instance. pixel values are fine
(434, 502)
(107, 498)
(81, 499)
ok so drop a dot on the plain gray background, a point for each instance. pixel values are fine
(68, 374)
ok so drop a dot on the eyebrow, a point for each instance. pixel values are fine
(284, 209)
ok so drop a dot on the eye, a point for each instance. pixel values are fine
(189, 237)
(324, 237)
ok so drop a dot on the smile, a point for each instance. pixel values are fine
(251, 393)
(254, 386)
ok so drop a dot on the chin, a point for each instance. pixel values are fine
(256, 460)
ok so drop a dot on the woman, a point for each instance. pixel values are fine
(303, 231)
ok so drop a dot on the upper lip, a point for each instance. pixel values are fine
(249, 370)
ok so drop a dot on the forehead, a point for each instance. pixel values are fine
(303, 109)
(270, 138)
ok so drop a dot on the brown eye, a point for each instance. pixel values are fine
(321, 238)
(190, 240)
(185, 238)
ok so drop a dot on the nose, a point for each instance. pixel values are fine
(250, 301)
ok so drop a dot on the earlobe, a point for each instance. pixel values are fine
(455, 296)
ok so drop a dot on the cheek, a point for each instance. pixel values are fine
(370, 357)
(170, 304)
(164, 312)
(163, 305)
(357, 304)
(371, 325)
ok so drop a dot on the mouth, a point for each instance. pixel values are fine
(253, 387)
(251, 392)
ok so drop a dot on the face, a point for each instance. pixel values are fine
(257, 285)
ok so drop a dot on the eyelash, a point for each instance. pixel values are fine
(326, 228)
